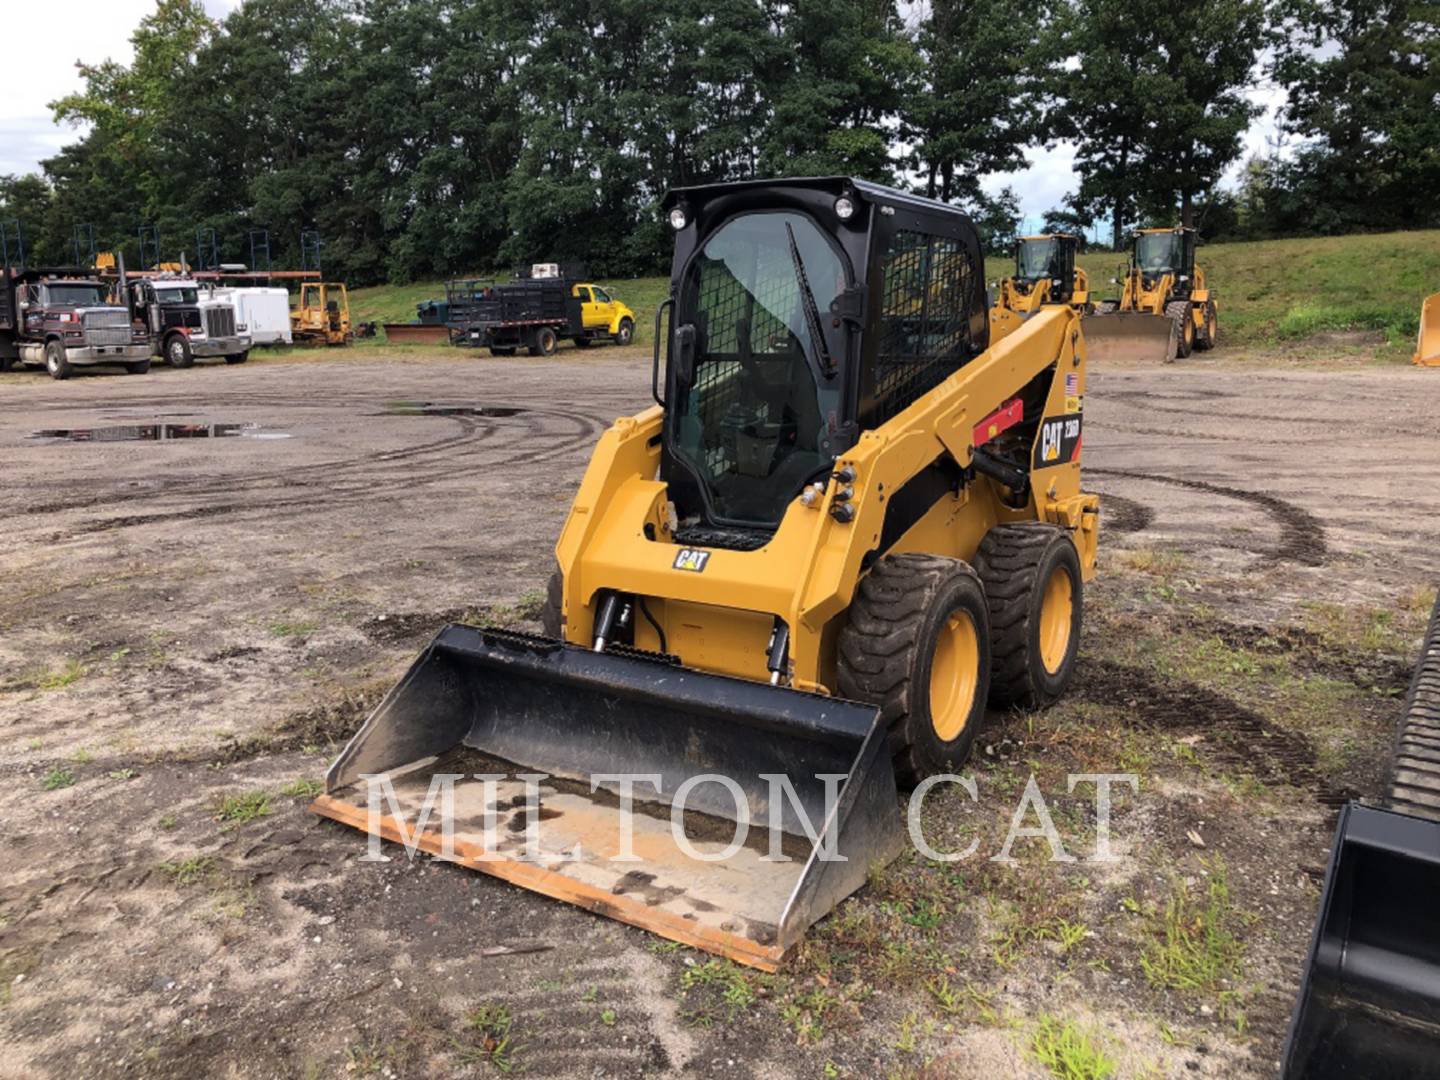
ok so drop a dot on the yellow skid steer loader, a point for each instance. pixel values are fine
(1045, 274)
(1427, 344)
(844, 528)
(1165, 310)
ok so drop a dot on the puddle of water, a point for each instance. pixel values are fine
(427, 408)
(158, 433)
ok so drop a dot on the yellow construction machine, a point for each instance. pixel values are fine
(1165, 310)
(1045, 274)
(1427, 344)
(847, 524)
(322, 316)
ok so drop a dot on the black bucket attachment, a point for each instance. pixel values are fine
(1369, 1004)
(485, 701)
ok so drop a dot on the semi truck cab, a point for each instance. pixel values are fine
(186, 320)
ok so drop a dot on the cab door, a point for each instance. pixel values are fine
(592, 317)
(604, 308)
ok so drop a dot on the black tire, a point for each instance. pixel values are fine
(1018, 564)
(138, 367)
(1209, 332)
(502, 350)
(552, 618)
(238, 358)
(177, 351)
(544, 342)
(56, 362)
(625, 332)
(887, 654)
(1179, 313)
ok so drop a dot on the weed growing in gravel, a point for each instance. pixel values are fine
(189, 871)
(491, 1024)
(238, 809)
(122, 774)
(298, 628)
(57, 777)
(1194, 946)
(733, 985)
(302, 789)
(58, 680)
(82, 757)
(1069, 1051)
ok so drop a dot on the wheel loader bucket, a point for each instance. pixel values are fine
(1427, 345)
(553, 727)
(1129, 337)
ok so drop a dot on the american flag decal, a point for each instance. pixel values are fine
(1072, 383)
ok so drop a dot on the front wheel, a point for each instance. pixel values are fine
(56, 362)
(1035, 595)
(178, 352)
(238, 358)
(1184, 331)
(917, 645)
(625, 332)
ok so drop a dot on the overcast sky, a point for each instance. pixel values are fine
(96, 30)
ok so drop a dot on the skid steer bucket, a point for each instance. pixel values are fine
(811, 775)
(1369, 1003)
(1130, 336)
(1427, 345)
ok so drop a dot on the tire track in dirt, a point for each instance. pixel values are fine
(1121, 515)
(1302, 536)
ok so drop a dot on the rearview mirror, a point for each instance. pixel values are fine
(684, 358)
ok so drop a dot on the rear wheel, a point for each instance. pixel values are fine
(138, 367)
(1184, 321)
(56, 362)
(177, 351)
(917, 645)
(1035, 596)
(1210, 330)
(544, 342)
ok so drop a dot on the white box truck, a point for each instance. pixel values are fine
(265, 311)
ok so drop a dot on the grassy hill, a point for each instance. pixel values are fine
(1269, 292)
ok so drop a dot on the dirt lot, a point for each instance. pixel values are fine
(187, 627)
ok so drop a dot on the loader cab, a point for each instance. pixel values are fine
(803, 313)
(1156, 253)
(1048, 261)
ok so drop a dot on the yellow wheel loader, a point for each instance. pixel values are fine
(1045, 274)
(1427, 344)
(845, 527)
(1166, 310)
(322, 316)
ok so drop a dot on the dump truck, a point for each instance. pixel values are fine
(322, 315)
(534, 312)
(1427, 343)
(1165, 309)
(788, 588)
(1369, 1001)
(1045, 273)
(64, 318)
(187, 320)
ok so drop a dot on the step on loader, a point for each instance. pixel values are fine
(1165, 310)
(786, 590)
(1427, 343)
(1369, 1002)
(1045, 274)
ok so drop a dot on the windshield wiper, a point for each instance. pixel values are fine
(812, 312)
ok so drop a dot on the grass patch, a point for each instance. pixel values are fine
(302, 789)
(57, 777)
(1070, 1052)
(62, 677)
(732, 985)
(238, 809)
(1157, 561)
(298, 628)
(489, 1026)
(189, 871)
(1193, 944)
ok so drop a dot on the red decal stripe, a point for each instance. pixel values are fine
(1003, 418)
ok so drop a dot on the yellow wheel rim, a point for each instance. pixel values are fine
(1057, 610)
(954, 675)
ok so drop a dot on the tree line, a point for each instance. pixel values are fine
(422, 138)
